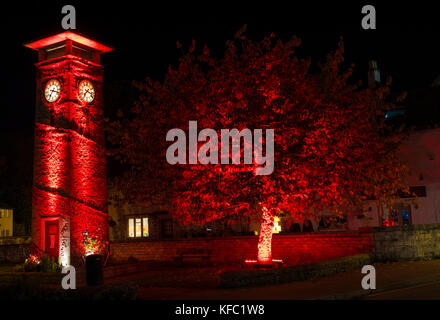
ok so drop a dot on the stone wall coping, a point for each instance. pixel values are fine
(413, 227)
(326, 234)
(15, 240)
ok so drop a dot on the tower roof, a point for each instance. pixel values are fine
(68, 35)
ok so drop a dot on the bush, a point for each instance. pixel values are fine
(49, 264)
(18, 268)
(260, 277)
(35, 264)
(31, 264)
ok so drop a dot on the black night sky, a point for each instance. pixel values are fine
(144, 36)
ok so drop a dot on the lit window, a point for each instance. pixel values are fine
(145, 227)
(398, 216)
(131, 228)
(395, 113)
(276, 225)
(138, 227)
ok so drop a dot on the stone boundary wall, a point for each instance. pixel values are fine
(413, 242)
(30, 278)
(385, 244)
(14, 249)
(294, 249)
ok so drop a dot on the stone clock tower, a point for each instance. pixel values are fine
(69, 205)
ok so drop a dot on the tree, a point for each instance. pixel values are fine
(332, 147)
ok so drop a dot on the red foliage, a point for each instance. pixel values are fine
(331, 147)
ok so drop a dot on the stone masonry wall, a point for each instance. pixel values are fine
(294, 249)
(386, 244)
(407, 242)
(14, 249)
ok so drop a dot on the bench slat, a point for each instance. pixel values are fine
(203, 253)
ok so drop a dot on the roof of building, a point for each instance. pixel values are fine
(76, 37)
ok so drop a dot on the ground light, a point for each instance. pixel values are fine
(275, 263)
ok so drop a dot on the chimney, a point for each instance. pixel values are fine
(373, 74)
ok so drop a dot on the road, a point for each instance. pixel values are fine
(426, 291)
(416, 280)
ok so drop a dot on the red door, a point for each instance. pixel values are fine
(51, 241)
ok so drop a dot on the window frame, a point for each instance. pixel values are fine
(142, 218)
(164, 224)
(400, 206)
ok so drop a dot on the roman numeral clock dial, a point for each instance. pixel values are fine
(52, 90)
(86, 91)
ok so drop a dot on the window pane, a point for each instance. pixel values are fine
(131, 228)
(406, 214)
(167, 228)
(145, 227)
(138, 227)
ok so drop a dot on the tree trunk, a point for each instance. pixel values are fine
(265, 239)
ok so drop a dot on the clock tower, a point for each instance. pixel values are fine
(69, 196)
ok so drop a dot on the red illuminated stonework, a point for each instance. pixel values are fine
(69, 189)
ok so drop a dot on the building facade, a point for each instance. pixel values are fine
(69, 195)
(421, 153)
(6, 221)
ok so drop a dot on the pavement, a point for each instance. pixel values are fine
(398, 280)
(422, 291)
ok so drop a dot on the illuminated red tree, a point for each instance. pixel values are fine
(331, 146)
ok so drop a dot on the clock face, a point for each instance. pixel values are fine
(52, 90)
(86, 91)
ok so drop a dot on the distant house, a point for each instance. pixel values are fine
(6, 221)
(139, 222)
(421, 153)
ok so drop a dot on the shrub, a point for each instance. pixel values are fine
(35, 264)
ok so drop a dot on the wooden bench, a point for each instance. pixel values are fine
(203, 254)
